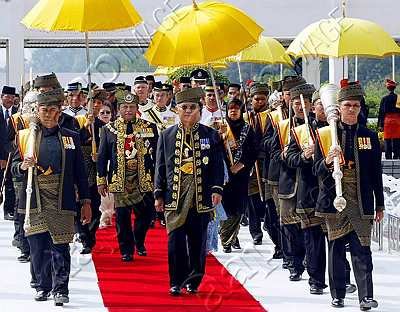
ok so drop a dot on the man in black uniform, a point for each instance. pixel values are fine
(129, 144)
(389, 121)
(360, 159)
(58, 166)
(7, 109)
(188, 185)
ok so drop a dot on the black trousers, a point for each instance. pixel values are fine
(87, 232)
(256, 211)
(293, 246)
(361, 259)
(392, 148)
(315, 241)
(271, 222)
(8, 192)
(51, 263)
(129, 237)
(187, 250)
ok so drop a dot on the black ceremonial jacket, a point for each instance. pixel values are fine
(208, 166)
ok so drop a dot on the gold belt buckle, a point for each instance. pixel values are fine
(131, 164)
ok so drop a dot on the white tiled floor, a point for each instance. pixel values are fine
(264, 279)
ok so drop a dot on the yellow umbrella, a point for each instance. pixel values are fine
(268, 50)
(82, 16)
(200, 34)
(343, 37)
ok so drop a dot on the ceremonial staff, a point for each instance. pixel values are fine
(328, 94)
(306, 120)
(33, 129)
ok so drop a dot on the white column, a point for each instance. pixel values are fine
(338, 69)
(15, 60)
(311, 70)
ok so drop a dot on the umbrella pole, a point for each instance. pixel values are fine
(228, 148)
(244, 100)
(356, 68)
(90, 100)
(393, 67)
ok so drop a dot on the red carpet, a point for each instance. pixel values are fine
(142, 285)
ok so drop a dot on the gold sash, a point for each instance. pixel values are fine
(23, 137)
(81, 119)
(275, 117)
(325, 142)
(16, 118)
(398, 102)
(302, 134)
(283, 132)
(230, 138)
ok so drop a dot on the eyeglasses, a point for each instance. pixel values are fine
(105, 113)
(191, 107)
(355, 106)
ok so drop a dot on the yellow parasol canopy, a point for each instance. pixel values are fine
(343, 37)
(268, 50)
(200, 34)
(82, 15)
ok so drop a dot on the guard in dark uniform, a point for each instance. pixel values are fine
(299, 156)
(271, 141)
(360, 158)
(87, 232)
(292, 235)
(259, 209)
(389, 121)
(188, 185)
(58, 167)
(129, 145)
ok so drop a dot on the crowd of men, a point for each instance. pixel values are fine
(175, 153)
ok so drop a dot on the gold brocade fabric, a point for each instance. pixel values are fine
(350, 218)
(60, 224)
(90, 165)
(288, 213)
(132, 194)
(176, 218)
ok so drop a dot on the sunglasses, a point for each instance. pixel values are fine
(105, 113)
(191, 107)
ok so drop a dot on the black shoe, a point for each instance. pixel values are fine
(8, 216)
(152, 224)
(244, 221)
(86, 251)
(227, 249)
(141, 252)
(190, 289)
(127, 258)
(285, 264)
(24, 258)
(257, 241)
(278, 254)
(60, 299)
(175, 291)
(316, 290)
(368, 303)
(295, 277)
(15, 243)
(42, 295)
(337, 303)
(350, 288)
(236, 244)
